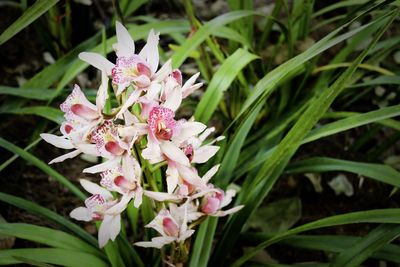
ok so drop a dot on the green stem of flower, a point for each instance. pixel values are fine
(197, 222)
(159, 165)
(137, 115)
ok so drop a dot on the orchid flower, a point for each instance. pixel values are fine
(190, 185)
(101, 206)
(82, 117)
(172, 225)
(213, 202)
(109, 145)
(124, 179)
(130, 68)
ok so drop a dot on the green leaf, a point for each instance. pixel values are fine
(395, 124)
(329, 243)
(276, 77)
(63, 257)
(315, 110)
(52, 73)
(201, 34)
(30, 93)
(221, 80)
(31, 14)
(232, 154)
(50, 215)
(337, 5)
(352, 122)
(379, 172)
(364, 248)
(47, 236)
(370, 216)
(32, 262)
(10, 160)
(112, 253)
(202, 245)
(41, 165)
(386, 79)
(271, 170)
(49, 113)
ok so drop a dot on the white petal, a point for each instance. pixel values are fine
(229, 194)
(121, 206)
(153, 90)
(88, 149)
(190, 82)
(206, 177)
(221, 213)
(191, 89)
(109, 164)
(97, 61)
(204, 153)
(152, 153)
(109, 229)
(80, 214)
(156, 242)
(66, 156)
(129, 102)
(172, 178)
(150, 51)
(185, 235)
(163, 72)
(174, 99)
(189, 129)
(95, 189)
(102, 94)
(58, 141)
(138, 197)
(125, 45)
(174, 153)
(191, 177)
(161, 196)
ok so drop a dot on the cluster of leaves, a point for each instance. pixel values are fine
(267, 113)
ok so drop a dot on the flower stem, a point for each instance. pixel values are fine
(159, 165)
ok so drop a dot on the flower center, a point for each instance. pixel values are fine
(163, 132)
(131, 72)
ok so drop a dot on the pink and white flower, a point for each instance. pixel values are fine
(102, 206)
(172, 225)
(108, 143)
(213, 202)
(82, 117)
(130, 68)
(124, 179)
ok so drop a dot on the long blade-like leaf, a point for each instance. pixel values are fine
(184, 51)
(379, 172)
(35, 93)
(47, 236)
(269, 173)
(41, 165)
(50, 215)
(370, 216)
(63, 257)
(49, 113)
(364, 248)
(31, 14)
(221, 80)
(329, 243)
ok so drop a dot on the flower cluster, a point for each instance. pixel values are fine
(149, 132)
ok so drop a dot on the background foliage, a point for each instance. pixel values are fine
(299, 88)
